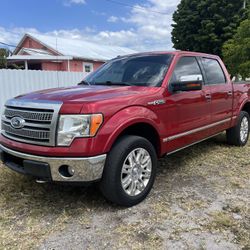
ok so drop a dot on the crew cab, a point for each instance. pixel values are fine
(112, 127)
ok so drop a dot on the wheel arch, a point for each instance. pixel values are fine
(145, 130)
(246, 107)
(140, 128)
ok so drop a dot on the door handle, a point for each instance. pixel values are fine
(208, 97)
(230, 93)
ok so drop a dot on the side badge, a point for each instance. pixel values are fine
(157, 102)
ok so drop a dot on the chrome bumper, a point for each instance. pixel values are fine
(85, 169)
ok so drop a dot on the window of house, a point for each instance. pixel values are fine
(186, 69)
(213, 70)
(88, 67)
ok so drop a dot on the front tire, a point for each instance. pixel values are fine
(239, 134)
(129, 171)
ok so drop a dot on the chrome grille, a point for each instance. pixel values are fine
(38, 116)
(34, 134)
(40, 121)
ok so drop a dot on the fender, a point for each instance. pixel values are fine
(127, 117)
(242, 102)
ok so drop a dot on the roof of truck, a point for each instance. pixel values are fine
(175, 52)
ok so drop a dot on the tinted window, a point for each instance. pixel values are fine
(142, 70)
(213, 71)
(186, 69)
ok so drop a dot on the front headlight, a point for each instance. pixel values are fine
(72, 126)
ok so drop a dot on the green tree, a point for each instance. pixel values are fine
(3, 55)
(204, 25)
(236, 51)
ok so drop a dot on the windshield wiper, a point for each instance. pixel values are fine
(84, 82)
(109, 83)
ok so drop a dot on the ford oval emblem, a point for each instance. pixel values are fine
(17, 122)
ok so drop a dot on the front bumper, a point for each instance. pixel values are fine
(48, 168)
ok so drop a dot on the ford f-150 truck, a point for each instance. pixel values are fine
(113, 126)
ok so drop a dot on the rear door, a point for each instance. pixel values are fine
(221, 91)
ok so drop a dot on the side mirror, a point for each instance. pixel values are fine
(188, 83)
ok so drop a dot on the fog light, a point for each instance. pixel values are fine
(71, 170)
(66, 171)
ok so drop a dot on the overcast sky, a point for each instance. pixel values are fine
(146, 25)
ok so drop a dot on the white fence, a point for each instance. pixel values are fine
(17, 82)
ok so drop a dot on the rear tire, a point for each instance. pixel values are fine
(129, 171)
(239, 134)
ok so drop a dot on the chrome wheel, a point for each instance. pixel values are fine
(136, 171)
(244, 129)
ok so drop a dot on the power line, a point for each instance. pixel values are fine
(28, 49)
(7, 44)
(153, 11)
(136, 7)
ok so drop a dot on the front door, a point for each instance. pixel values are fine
(188, 112)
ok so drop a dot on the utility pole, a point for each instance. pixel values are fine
(244, 4)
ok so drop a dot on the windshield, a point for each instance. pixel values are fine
(142, 70)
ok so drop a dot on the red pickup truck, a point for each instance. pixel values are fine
(113, 126)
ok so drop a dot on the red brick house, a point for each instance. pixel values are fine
(43, 52)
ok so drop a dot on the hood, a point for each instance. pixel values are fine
(80, 94)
